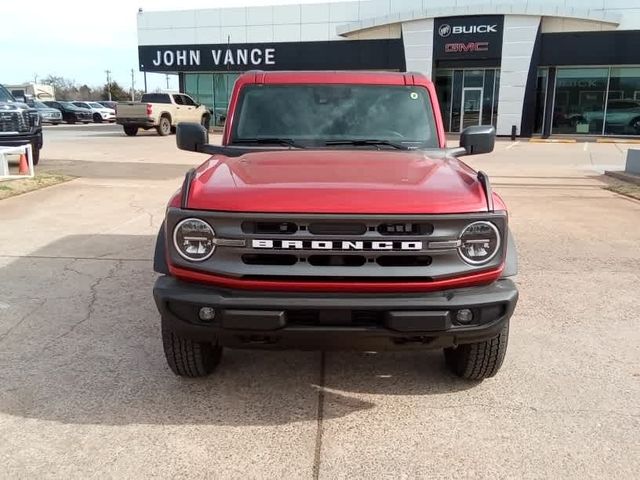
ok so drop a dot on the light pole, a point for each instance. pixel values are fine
(133, 86)
(108, 72)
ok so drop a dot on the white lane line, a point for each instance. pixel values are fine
(509, 147)
(586, 146)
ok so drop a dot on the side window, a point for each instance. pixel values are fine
(178, 99)
(188, 101)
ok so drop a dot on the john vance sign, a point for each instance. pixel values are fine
(387, 54)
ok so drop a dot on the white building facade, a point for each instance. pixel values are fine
(539, 67)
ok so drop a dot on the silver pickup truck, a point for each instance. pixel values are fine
(162, 111)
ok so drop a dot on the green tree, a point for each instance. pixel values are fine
(117, 92)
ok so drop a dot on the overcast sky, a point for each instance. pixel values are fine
(81, 39)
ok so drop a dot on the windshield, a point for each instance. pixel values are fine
(5, 96)
(317, 114)
(70, 106)
(39, 105)
(155, 98)
(95, 105)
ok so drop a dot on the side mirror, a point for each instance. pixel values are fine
(479, 139)
(191, 137)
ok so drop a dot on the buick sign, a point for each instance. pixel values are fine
(469, 38)
(444, 30)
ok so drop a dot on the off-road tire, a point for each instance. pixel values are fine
(36, 155)
(477, 361)
(97, 118)
(164, 126)
(130, 131)
(187, 358)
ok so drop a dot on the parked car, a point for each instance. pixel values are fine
(47, 114)
(100, 112)
(108, 104)
(71, 113)
(334, 216)
(622, 116)
(162, 111)
(19, 124)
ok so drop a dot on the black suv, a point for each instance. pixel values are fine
(71, 113)
(19, 124)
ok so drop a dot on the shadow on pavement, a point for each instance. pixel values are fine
(123, 170)
(80, 343)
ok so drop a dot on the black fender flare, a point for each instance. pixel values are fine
(160, 254)
(511, 257)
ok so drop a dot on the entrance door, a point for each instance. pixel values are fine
(471, 107)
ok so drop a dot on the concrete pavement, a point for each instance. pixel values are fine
(85, 391)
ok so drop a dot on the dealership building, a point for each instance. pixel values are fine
(541, 67)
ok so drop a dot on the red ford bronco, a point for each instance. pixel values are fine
(333, 215)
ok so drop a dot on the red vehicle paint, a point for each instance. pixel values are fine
(331, 217)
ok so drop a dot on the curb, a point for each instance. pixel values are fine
(626, 177)
(553, 140)
(618, 140)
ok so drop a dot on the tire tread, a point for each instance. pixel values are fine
(477, 361)
(188, 358)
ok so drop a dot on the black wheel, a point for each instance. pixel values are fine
(55, 123)
(130, 131)
(36, 155)
(477, 361)
(164, 127)
(187, 358)
(206, 121)
(86, 123)
(97, 118)
(635, 125)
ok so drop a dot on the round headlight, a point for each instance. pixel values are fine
(194, 239)
(479, 242)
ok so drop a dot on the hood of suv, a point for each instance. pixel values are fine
(14, 106)
(337, 181)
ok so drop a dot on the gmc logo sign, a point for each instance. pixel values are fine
(466, 47)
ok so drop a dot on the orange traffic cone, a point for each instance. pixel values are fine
(23, 169)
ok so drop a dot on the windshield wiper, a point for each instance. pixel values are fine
(373, 142)
(269, 141)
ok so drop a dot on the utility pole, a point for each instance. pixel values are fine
(133, 86)
(108, 72)
(145, 82)
(167, 75)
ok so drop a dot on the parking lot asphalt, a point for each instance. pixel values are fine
(85, 391)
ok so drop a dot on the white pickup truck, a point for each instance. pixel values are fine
(162, 111)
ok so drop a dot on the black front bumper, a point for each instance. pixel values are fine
(334, 321)
(35, 139)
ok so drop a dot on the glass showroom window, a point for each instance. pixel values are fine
(444, 82)
(623, 104)
(580, 100)
(212, 90)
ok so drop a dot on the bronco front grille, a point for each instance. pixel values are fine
(365, 248)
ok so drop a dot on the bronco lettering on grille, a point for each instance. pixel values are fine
(334, 245)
